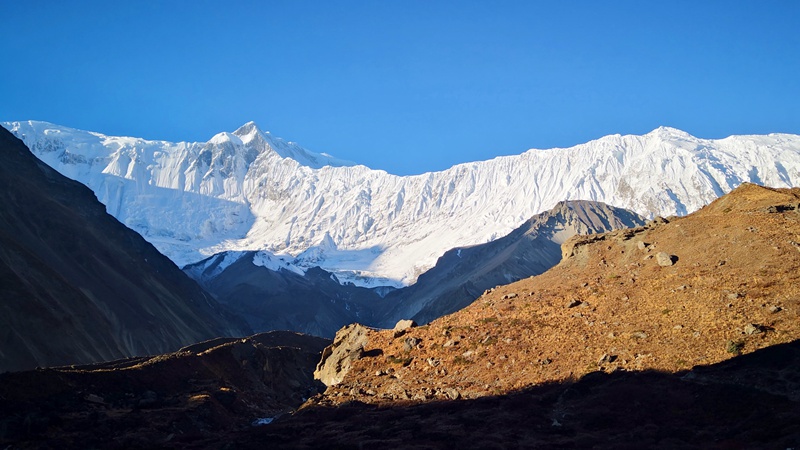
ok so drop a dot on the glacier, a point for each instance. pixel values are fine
(250, 191)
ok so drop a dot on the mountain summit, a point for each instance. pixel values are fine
(247, 190)
(250, 134)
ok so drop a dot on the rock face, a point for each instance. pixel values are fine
(77, 286)
(337, 358)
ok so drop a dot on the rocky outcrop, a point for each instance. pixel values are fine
(462, 274)
(337, 358)
(570, 246)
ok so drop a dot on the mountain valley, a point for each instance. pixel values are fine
(399, 225)
(316, 302)
(587, 325)
(680, 333)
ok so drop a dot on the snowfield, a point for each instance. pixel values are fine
(248, 190)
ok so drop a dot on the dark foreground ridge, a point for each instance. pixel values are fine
(751, 401)
(195, 397)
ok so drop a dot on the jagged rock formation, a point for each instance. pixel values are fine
(337, 358)
(462, 274)
(77, 286)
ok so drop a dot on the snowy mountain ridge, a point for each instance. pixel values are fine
(247, 190)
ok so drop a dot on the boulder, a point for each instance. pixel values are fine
(403, 325)
(453, 394)
(753, 328)
(664, 259)
(411, 343)
(337, 358)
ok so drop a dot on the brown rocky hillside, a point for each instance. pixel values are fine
(674, 294)
(680, 333)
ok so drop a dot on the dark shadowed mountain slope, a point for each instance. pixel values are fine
(316, 303)
(461, 275)
(313, 303)
(77, 286)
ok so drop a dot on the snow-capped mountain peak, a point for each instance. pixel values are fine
(250, 134)
(225, 138)
(250, 128)
(249, 190)
(665, 133)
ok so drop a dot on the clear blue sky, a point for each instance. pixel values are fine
(406, 86)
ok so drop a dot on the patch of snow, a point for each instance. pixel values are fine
(276, 262)
(262, 421)
(224, 137)
(224, 261)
